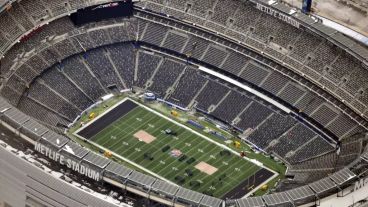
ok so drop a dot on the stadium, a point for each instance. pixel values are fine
(239, 103)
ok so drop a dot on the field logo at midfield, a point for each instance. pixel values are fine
(57, 157)
(175, 153)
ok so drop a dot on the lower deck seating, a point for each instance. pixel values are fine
(211, 95)
(253, 116)
(231, 107)
(271, 129)
(41, 113)
(44, 95)
(189, 85)
(147, 64)
(317, 147)
(165, 77)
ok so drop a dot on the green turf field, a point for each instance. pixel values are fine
(118, 137)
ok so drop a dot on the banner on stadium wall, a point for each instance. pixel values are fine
(278, 15)
(69, 163)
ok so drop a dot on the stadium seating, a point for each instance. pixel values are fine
(187, 87)
(196, 47)
(265, 25)
(201, 8)
(328, 161)
(66, 48)
(17, 11)
(254, 73)
(10, 26)
(125, 66)
(165, 77)
(356, 79)
(101, 66)
(35, 9)
(293, 139)
(231, 106)
(322, 56)
(147, 64)
(215, 56)
(11, 95)
(37, 63)
(61, 84)
(175, 41)
(154, 33)
(324, 114)
(229, 61)
(99, 37)
(274, 83)
(253, 116)
(306, 44)
(178, 4)
(17, 84)
(41, 113)
(59, 71)
(83, 41)
(341, 125)
(211, 95)
(315, 147)
(291, 93)
(78, 73)
(45, 95)
(234, 63)
(271, 129)
(118, 34)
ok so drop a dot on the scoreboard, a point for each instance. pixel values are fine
(102, 12)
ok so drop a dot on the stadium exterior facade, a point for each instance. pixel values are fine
(341, 188)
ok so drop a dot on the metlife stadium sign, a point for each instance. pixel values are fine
(75, 166)
(278, 15)
(360, 184)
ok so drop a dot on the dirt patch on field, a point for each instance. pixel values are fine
(144, 136)
(206, 168)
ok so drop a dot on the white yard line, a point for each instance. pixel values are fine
(123, 132)
(201, 135)
(260, 185)
(112, 131)
(183, 163)
(131, 162)
(275, 174)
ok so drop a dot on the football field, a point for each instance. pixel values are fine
(161, 146)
